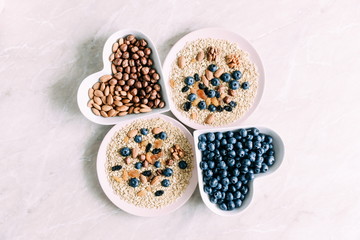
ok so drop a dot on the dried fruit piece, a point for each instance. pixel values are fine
(126, 139)
(192, 90)
(141, 193)
(193, 115)
(209, 119)
(215, 102)
(172, 83)
(116, 178)
(125, 175)
(196, 101)
(208, 101)
(201, 94)
(158, 143)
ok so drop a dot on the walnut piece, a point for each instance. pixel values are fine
(232, 60)
(213, 54)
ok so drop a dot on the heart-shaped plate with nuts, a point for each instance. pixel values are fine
(130, 84)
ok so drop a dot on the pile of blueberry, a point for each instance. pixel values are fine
(230, 160)
(233, 84)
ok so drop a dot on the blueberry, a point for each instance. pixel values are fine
(167, 172)
(221, 165)
(182, 164)
(217, 94)
(229, 147)
(196, 77)
(249, 145)
(191, 97)
(189, 81)
(138, 165)
(232, 188)
(187, 106)
(223, 207)
(219, 108)
(231, 154)
(237, 203)
(238, 145)
(125, 151)
(268, 139)
(215, 82)
(234, 84)
(213, 200)
(211, 147)
(249, 176)
(235, 172)
(252, 155)
(116, 168)
(238, 185)
(211, 164)
(219, 135)
(229, 134)
(231, 162)
(223, 173)
(165, 183)
(202, 146)
(213, 182)
(157, 164)
(144, 131)
(201, 105)
(210, 137)
(270, 160)
(185, 89)
(208, 173)
(232, 140)
(230, 205)
(243, 132)
(245, 162)
(156, 150)
(134, 182)
(225, 181)
(257, 145)
(162, 135)
(217, 143)
(264, 168)
(270, 153)
(237, 194)
(202, 138)
(203, 165)
(236, 75)
(159, 193)
(225, 188)
(233, 179)
(218, 195)
(229, 196)
(242, 197)
(244, 189)
(245, 85)
(207, 189)
(232, 104)
(148, 147)
(201, 86)
(228, 108)
(211, 93)
(226, 77)
(254, 131)
(213, 67)
(244, 169)
(146, 173)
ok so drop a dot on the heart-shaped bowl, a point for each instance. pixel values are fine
(279, 156)
(88, 82)
(213, 33)
(131, 208)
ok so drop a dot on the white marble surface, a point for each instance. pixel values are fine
(310, 50)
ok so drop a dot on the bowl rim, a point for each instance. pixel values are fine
(86, 83)
(217, 33)
(131, 208)
(280, 154)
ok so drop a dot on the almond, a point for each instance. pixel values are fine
(112, 113)
(134, 173)
(181, 62)
(90, 103)
(123, 108)
(127, 160)
(106, 108)
(135, 152)
(132, 133)
(143, 179)
(232, 92)
(209, 74)
(98, 93)
(145, 110)
(205, 81)
(105, 78)
(155, 180)
(103, 113)
(141, 193)
(200, 56)
(219, 72)
(91, 93)
(209, 119)
(157, 130)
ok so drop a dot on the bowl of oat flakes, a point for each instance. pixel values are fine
(214, 78)
(146, 166)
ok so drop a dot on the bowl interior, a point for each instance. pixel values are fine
(130, 208)
(82, 95)
(279, 156)
(216, 33)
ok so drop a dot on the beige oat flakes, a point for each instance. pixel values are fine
(243, 98)
(143, 195)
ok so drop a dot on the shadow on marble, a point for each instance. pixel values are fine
(164, 49)
(63, 94)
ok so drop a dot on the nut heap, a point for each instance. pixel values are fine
(232, 60)
(133, 85)
(213, 54)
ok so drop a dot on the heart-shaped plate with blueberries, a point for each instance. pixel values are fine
(131, 83)
(228, 162)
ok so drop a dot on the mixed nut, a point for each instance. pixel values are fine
(133, 87)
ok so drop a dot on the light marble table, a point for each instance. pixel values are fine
(310, 50)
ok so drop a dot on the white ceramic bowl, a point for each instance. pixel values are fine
(279, 156)
(130, 208)
(88, 82)
(216, 33)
